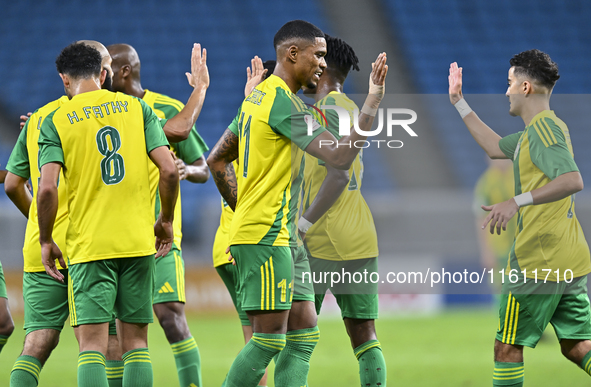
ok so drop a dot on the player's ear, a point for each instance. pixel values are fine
(526, 87)
(125, 71)
(66, 80)
(292, 53)
(103, 76)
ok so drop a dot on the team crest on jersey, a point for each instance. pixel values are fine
(312, 124)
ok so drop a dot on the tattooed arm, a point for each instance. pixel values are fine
(220, 164)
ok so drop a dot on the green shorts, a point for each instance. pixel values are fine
(121, 286)
(356, 300)
(229, 274)
(303, 291)
(3, 293)
(169, 283)
(265, 276)
(46, 301)
(525, 311)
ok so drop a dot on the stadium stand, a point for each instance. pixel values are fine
(482, 36)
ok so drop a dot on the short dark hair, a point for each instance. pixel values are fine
(79, 60)
(536, 65)
(340, 56)
(297, 29)
(269, 65)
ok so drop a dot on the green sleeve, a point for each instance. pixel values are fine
(153, 131)
(18, 163)
(192, 148)
(234, 125)
(509, 143)
(290, 117)
(50, 144)
(554, 159)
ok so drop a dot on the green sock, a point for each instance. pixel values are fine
(293, 363)
(25, 372)
(372, 366)
(508, 374)
(3, 340)
(586, 363)
(250, 364)
(138, 368)
(114, 370)
(91, 369)
(188, 362)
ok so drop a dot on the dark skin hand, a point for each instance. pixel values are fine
(197, 172)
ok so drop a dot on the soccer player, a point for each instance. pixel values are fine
(169, 286)
(227, 271)
(495, 185)
(46, 301)
(549, 244)
(98, 138)
(344, 238)
(6, 323)
(264, 194)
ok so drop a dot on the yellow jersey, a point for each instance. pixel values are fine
(271, 125)
(548, 236)
(494, 186)
(103, 139)
(188, 150)
(346, 231)
(23, 162)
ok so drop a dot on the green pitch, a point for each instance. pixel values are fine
(450, 349)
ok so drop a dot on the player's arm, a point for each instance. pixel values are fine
(561, 187)
(18, 173)
(196, 172)
(220, 164)
(168, 189)
(47, 203)
(16, 190)
(331, 188)
(335, 152)
(3, 176)
(179, 127)
(487, 138)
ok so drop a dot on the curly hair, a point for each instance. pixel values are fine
(536, 65)
(340, 56)
(79, 60)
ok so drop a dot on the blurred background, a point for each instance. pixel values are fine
(421, 195)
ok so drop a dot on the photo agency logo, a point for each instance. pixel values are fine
(394, 118)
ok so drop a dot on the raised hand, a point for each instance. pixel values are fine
(24, 119)
(199, 75)
(255, 75)
(377, 78)
(455, 83)
(164, 237)
(49, 253)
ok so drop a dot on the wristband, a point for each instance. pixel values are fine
(525, 199)
(463, 108)
(304, 225)
(369, 111)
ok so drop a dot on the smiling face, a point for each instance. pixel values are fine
(310, 63)
(516, 91)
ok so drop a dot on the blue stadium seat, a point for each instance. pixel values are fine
(482, 36)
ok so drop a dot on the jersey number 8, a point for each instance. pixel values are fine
(112, 167)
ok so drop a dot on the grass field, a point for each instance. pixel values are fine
(451, 349)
